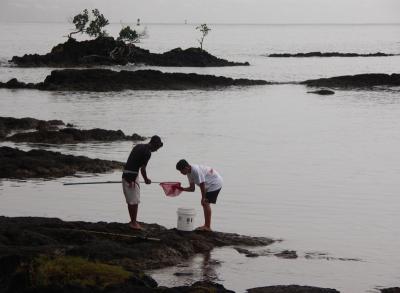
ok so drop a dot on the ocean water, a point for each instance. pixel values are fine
(319, 172)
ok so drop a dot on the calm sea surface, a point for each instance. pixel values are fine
(320, 172)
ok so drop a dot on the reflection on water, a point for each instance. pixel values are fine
(201, 267)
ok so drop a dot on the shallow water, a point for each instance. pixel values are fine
(320, 172)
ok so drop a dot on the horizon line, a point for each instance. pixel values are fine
(225, 23)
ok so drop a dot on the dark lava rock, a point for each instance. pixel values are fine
(8, 124)
(107, 51)
(323, 92)
(109, 80)
(201, 287)
(156, 247)
(72, 53)
(73, 135)
(291, 289)
(191, 57)
(15, 84)
(288, 254)
(356, 81)
(391, 290)
(46, 164)
(329, 54)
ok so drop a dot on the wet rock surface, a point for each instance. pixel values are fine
(356, 81)
(9, 124)
(18, 164)
(108, 51)
(329, 54)
(109, 80)
(73, 135)
(23, 240)
(291, 289)
(155, 247)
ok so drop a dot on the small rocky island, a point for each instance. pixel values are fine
(328, 54)
(108, 51)
(111, 80)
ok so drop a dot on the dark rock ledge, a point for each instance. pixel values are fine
(52, 133)
(73, 135)
(50, 255)
(329, 54)
(109, 80)
(368, 80)
(108, 51)
(18, 164)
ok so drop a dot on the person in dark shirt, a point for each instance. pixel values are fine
(137, 160)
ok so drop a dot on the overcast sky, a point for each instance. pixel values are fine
(209, 11)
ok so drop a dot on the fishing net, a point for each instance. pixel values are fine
(171, 188)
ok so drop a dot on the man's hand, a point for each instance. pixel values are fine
(204, 201)
(147, 181)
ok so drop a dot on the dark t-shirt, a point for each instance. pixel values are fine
(138, 158)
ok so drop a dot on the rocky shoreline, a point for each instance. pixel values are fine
(328, 54)
(108, 51)
(110, 80)
(50, 255)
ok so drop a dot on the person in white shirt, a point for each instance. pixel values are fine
(210, 183)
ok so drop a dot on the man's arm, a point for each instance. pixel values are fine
(144, 174)
(191, 188)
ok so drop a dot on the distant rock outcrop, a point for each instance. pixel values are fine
(73, 135)
(110, 80)
(108, 51)
(329, 54)
(19, 164)
(356, 81)
(9, 124)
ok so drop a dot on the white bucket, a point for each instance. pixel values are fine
(185, 219)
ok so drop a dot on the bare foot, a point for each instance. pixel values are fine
(135, 226)
(203, 228)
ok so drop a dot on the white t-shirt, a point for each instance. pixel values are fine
(208, 175)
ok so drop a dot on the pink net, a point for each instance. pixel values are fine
(171, 188)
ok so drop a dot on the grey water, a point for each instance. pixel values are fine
(319, 172)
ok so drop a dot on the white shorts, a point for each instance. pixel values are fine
(132, 194)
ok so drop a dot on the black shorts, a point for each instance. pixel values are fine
(212, 196)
